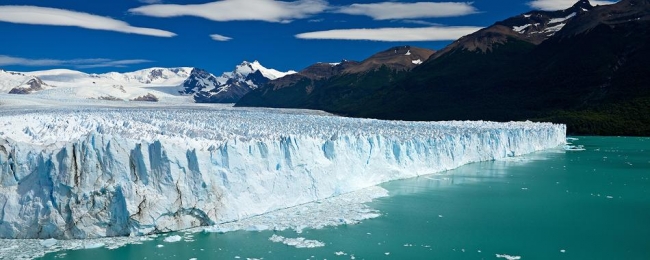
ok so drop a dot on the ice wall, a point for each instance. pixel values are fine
(72, 173)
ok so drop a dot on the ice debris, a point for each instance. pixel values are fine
(172, 239)
(508, 257)
(299, 242)
(346, 209)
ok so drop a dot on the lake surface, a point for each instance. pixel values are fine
(592, 204)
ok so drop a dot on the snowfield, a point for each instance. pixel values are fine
(72, 170)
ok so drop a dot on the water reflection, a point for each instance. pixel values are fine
(467, 174)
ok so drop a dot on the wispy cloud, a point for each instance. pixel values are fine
(238, 10)
(434, 33)
(111, 64)
(395, 10)
(551, 5)
(420, 22)
(219, 37)
(60, 17)
(76, 63)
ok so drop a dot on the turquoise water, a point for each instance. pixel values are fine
(592, 204)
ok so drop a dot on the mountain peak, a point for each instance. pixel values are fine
(198, 72)
(248, 63)
(583, 5)
(246, 68)
(622, 12)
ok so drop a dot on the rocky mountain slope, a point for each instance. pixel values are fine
(33, 84)
(532, 27)
(320, 85)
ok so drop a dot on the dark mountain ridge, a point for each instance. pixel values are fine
(329, 84)
(585, 66)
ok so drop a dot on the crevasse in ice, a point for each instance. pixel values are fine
(82, 173)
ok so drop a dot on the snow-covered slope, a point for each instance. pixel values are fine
(161, 83)
(152, 76)
(10, 80)
(31, 85)
(75, 172)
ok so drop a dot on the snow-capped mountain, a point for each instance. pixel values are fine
(230, 86)
(178, 85)
(246, 68)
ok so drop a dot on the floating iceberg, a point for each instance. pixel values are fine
(95, 172)
(172, 239)
(299, 242)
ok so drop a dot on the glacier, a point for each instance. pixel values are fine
(86, 172)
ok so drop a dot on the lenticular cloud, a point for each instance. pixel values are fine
(60, 17)
(433, 33)
(238, 10)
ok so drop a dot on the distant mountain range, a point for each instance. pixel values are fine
(588, 67)
(230, 86)
(183, 84)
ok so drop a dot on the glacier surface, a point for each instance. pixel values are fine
(85, 172)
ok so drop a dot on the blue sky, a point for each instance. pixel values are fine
(125, 35)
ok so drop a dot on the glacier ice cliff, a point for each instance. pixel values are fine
(95, 172)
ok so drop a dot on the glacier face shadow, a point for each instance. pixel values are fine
(96, 172)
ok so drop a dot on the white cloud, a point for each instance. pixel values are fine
(434, 33)
(552, 5)
(9, 60)
(420, 22)
(77, 63)
(395, 10)
(111, 64)
(61, 17)
(238, 10)
(219, 37)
